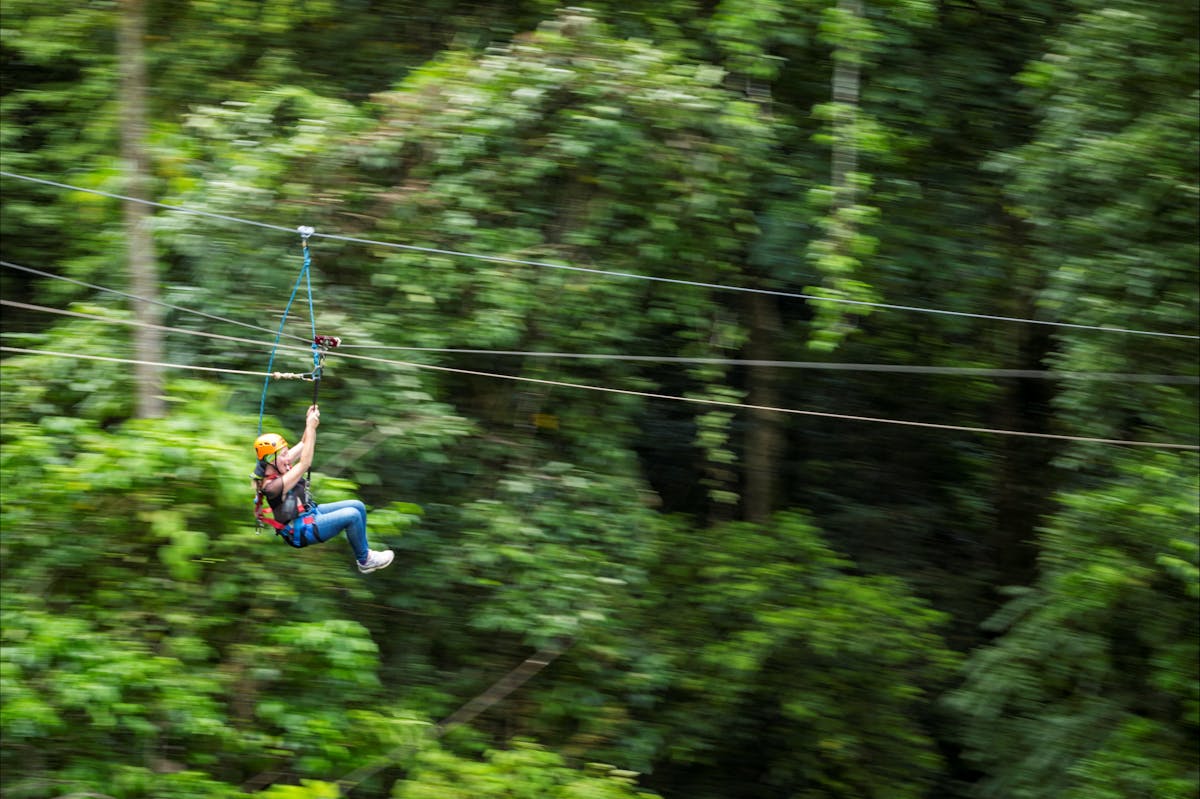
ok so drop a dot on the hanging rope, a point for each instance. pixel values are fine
(315, 375)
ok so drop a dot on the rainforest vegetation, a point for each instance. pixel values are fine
(764, 399)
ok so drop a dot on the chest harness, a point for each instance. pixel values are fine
(292, 515)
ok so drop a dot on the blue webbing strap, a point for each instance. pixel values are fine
(262, 405)
(312, 317)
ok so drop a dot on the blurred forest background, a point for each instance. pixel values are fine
(701, 599)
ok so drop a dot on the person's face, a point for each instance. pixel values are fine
(280, 463)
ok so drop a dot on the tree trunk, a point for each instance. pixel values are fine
(143, 280)
(764, 429)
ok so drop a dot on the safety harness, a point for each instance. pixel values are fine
(292, 516)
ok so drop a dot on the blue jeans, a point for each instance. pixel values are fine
(349, 515)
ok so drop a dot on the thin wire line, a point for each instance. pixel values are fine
(747, 289)
(164, 206)
(40, 273)
(25, 351)
(651, 395)
(1181, 379)
(834, 365)
(861, 367)
(611, 273)
(138, 323)
(796, 411)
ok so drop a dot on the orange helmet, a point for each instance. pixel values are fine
(268, 444)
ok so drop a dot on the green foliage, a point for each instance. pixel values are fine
(749, 635)
(148, 631)
(1109, 188)
(556, 547)
(154, 646)
(59, 112)
(1092, 689)
(307, 789)
(104, 692)
(524, 154)
(525, 771)
(1097, 672)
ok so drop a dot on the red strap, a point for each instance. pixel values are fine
(266, 518)
(264, 514)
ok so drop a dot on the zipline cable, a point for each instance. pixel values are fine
(952, 371)
(750, 290)
(650, 395)
(610, 273)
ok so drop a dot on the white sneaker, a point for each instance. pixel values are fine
(376, 561)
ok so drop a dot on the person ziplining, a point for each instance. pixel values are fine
(281, 473)
(279, 478)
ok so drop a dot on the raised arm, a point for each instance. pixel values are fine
(302, 446)
(301, 455)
